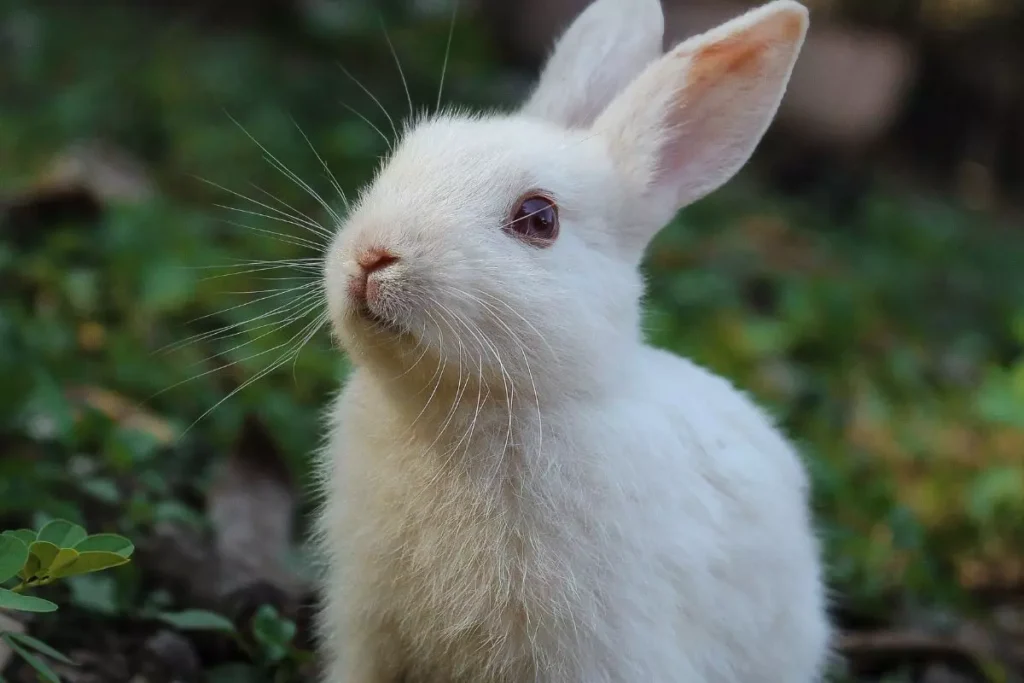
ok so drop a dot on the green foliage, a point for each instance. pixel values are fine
(13, 556)
(197, 620)
(25, 651)
(60, 549)
(268, 642)
(24, 603)
(273, 634)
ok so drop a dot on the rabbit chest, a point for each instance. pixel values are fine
(485, 572)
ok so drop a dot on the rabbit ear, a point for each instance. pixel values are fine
(601, 52)
(692, 119)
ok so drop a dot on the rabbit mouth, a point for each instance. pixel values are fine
(379, 322)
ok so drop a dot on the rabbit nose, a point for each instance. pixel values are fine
(373, 260)
(362, 287)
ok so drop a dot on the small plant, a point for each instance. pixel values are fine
(269, 645)
(29, 560)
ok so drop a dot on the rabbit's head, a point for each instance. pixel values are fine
(507, 246)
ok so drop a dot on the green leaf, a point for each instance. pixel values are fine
(273, 632)
(38, 646)
(197, 620)
(24, 603)
(64, 559)
(13, 556)
(110, 543)
(62, 533)
(45, 552)
(45, 672)
(83, 563)
(30, 569)
(27, 536)
(95, 593)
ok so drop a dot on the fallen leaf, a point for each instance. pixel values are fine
(124, 412)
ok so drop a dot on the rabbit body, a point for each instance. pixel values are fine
(517, 488)
(651, 537)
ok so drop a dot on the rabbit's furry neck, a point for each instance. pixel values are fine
(466, 417)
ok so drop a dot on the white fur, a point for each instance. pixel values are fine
(517, 488)
(603, 50)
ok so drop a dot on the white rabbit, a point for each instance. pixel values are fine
(517, 487)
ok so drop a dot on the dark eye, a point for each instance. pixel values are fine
(535, 220)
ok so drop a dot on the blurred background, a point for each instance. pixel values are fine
(162, 376)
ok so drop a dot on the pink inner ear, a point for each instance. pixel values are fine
(742, 54)
(719, 76)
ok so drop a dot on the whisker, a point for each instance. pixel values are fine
(231, 364)
(516, 313)
(321, 320)
(330, 174)
(370, 123)
(276, 326)
(308, 223)
(306, 260)
(313, 270)
(276, 236)
(303, 218)
(447, 53)
(245, 303)
(459, 391)
(439, 373)
(287, 172)
(480, 378)
(221, 332)
(284, 358)
(398, 63)
(372, 97)
(509, 397)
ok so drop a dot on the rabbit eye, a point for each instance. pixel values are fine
(535, 220)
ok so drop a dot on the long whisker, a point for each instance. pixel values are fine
(221, 332)
(459, 390)
(284, 358)
(287, 172)
(305, 219)
(273, 234)
(439, 373)
(303, 303)
(241, 263)
(372, 97)
(246, 303)
(312, 270)
(310, 308)
(473, 329)
(447, 53)
(304, 222)
(370, 123)
(330, 174)
(509, 384)
(516, 313)
(236, 329)
(322, 319)
(398, 63)
(522, 349)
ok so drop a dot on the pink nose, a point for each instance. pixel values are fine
(370, 261)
